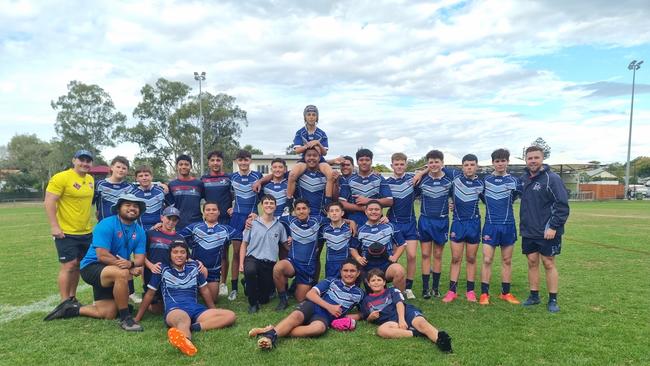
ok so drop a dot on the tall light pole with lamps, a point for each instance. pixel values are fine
(200, 78)
(634, 65)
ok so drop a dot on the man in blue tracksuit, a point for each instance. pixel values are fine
(544, 211)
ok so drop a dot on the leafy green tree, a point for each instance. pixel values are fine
(642, 166)
(86, 118)
(413, 165)
(541, 143)
(33, 157)
(381, 168)
(169, 123)
(253, 150)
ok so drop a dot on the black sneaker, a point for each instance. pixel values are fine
(252, 309)
(444, 342)
(436, 292)
(59, 310)
(130, 325)
(282, 305)
(75, 301)
(266, 341)
(426, 294)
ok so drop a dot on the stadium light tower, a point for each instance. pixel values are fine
(634, 65)
(200, 78)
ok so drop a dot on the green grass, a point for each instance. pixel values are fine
(603, 294)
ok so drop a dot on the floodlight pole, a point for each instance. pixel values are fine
(200, 78)
(634, 65)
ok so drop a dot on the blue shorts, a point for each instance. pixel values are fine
(333, 268)
(433, 229)
(193, 310)
(499, 234)
(467, 231)
(305, 274)
(410, 312)
(312, 312)
(408, 229)
(381, 264)
(238, 222)
(214, 275)
(547, 248)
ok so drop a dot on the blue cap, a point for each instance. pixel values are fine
(128, 197)
(85, 153)
(171, 211)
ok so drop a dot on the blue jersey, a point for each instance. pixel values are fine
(384, 302)
(305, 236)
(336, 292)
(500, 193)
(338, 241)
(208, 242)
(154, 199)
(106, 195)
(384, 234)
(403, 198)
(116, 237)
(311, 186)
(217, 188)
(372, 186)
(434, 195)
(178, 287)
(466, 192)
(158, 243)
(303, 137)
(186, 196)
(279, 191)
(245, 197)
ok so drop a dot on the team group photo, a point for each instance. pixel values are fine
(345, 184)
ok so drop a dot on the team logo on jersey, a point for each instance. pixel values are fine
(133, 236)
(537, 187)
(119, 234)
(76, 185)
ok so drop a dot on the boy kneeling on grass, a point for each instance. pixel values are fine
(396, 318)
(327, 304)
(178, 283)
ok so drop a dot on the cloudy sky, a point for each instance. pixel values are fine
(460, 76)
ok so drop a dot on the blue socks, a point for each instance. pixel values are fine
(425, 282)
(409, 284)
(196, 327)
(485, 288)
(505, 288)
(470, 286)
(452, 286)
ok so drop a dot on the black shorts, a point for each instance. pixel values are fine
(92, 275)
(313, 312)
(72, 247)
(547, 248)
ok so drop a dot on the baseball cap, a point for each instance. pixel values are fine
(171, 211)
(83, 152)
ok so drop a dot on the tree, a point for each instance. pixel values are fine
(86, 118)
(381, 168)
(169, 123)
(413, 165)
(33, 157)
(641, 166)
(289, 150)
(158, 166)
(252, 150)
(541, 143)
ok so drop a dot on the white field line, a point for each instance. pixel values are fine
(10, 312)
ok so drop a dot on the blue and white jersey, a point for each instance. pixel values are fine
(185, 195)
(403, 197)
(434, 195)
(384, 234)
(279, 191)
(217, 188)
(500, 193)
(384, 302)
(303, 137)
(106, 195)
(245, 197)
(466, 192)
(336, 292)
(372, 186)
(311, 186)
(338, 241)
(178, 287)
(154, 199)
(305, 236)
(208, 242)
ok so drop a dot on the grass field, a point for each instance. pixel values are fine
(604, 296)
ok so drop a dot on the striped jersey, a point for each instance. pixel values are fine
(107, 194)
(500, 193)
(178, 287)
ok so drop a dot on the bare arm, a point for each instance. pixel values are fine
(398, 253)
(144, 305)
(105, 257)
(314, 296)
(242, 255)
(51, 200)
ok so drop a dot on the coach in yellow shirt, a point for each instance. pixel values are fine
(68, 204)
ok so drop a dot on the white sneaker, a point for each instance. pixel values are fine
(409, 294)
(223, 289)
(233, 295)
(135, 298)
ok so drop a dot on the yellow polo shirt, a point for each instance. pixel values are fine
(74, 207)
